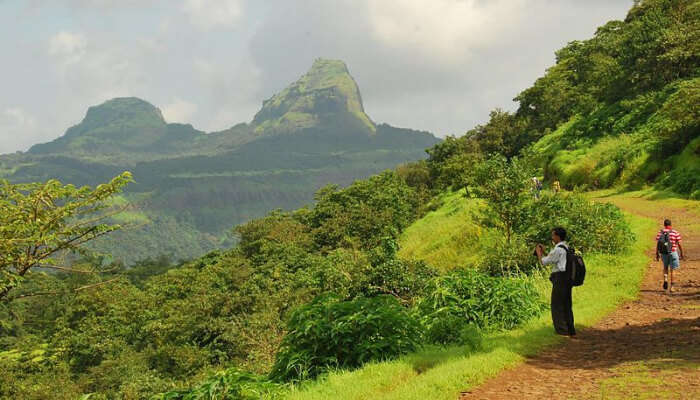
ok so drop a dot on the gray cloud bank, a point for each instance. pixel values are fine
(437, 65)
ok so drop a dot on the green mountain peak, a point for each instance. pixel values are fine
(327, 92)
(118, 110)
(123, 123)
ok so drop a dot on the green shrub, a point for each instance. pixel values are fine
(470, 336)
(230, 384)
(453, 329)
(504, 258)
(591, 226)
(469, 296)
(328, 333)
(682, 180)
(401, 278)
(352, 273)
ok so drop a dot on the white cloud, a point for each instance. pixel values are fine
(447, 29)
(179, 111)
(207, 14)
(100, 68)
(68, 47)
(17, 129)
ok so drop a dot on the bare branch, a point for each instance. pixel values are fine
(66, 269)
(97, 284)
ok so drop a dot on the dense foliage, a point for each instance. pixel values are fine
(148, 332)
(230, 384)
(466, 298)
(328, 333)
(618, 109)
(516, 216)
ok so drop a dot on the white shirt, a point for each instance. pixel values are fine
(557, 258)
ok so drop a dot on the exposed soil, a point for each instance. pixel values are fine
(636, 345)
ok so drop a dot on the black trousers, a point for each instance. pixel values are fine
(562, 313)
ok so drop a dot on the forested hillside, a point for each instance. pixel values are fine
(190, 188)
(620, 109)
(432, 256)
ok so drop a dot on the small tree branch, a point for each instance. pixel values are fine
(78, 289)
(96, 284)
(66, 244)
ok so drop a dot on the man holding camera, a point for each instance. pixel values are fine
(561, 303)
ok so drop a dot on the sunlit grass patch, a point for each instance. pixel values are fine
(444, 238)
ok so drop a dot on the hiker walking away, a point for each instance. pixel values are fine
(556, 187)
(561, 303)
(668, 243)
(536, 187)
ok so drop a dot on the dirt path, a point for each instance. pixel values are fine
(647, 349)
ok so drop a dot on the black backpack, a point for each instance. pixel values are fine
(575, 267)
(663, 245)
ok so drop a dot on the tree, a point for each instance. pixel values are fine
(504, 134)
(503, 185)
(40, 221)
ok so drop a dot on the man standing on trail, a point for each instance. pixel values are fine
(668, 242)
(561, 303)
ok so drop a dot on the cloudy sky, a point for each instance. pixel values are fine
(437, 65)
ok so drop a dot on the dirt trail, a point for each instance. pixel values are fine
(648, 348)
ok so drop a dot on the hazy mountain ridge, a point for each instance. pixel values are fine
(198, 185)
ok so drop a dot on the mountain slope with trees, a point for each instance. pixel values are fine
(620, 109)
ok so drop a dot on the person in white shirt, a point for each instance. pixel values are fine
(561, 303)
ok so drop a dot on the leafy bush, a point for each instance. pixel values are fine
(683, 181)
(400, 278)
(329, 333)
(468, 296)
(470, 336)
(591, 226)
(230, 384)
(501, 257)
(362, 214)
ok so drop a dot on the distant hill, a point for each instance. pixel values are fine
(191, 187)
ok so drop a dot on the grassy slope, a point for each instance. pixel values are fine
(441, 373)
(444, 238)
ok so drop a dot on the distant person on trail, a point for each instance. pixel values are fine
(556, 187)
(668, 243)
(561, 303)
(536, 187)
